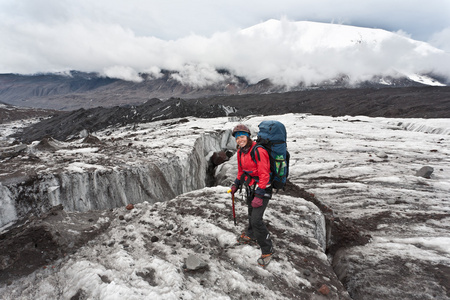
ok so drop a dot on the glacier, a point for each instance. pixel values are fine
(361, 169)
(83, 185)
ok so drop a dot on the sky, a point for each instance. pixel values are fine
(363, 168)
(123, 38)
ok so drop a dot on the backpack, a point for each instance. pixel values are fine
(272, 137)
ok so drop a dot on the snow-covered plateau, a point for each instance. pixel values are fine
(360, 219)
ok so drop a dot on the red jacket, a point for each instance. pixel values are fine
(261, 170)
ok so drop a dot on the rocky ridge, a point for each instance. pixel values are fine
(413, 102)
(89, 90)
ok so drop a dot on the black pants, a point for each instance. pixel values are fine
(256, 227)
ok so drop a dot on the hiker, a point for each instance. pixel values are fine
(255, 178)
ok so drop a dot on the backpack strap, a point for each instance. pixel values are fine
(253, 155)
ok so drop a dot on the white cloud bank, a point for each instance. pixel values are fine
(441, 40)
(284, 51)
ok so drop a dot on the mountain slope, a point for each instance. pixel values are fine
(271, 57)
(425, 102)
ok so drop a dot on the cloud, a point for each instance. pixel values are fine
(122, 72)
(199, 75)
(196, 38)
(284, 51)
(441, 40)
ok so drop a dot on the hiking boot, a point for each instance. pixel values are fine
(244, 239)
(265, 259)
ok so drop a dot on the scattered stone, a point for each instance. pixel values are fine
(194, 263)
(80, 294)
(48, 144)
(381, 154)
(219, 158)
(83, 133)
(91, 139)
(307, 273)
(425, 172)
(32, 157)
(148, 275)
(154, 239)
(105, 279)
(324, 289)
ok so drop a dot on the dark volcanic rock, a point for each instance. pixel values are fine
(90, 139)
(36, 90)
(219, 158)
(9, 113)
(12, 150)
(69, 125)
(413, 102)
(40, 241)
(88, 90)
(425, 172)
(408, 102)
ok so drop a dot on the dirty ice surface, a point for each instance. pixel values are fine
(361, 167)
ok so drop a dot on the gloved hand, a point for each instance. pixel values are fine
(233, 189)
(257, 202)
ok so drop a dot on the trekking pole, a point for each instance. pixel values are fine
(234, 212)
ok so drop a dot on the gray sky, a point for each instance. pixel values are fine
(58, 35)
(172, 19)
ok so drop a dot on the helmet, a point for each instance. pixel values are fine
(241, 127)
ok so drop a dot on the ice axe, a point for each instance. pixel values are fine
(232, 204)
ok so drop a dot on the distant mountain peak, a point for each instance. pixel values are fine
(313, 35)
(271, 57)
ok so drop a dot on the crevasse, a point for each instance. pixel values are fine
(105, 189)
